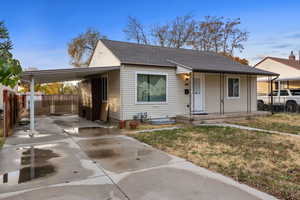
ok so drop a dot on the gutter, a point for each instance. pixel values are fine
(181, 65)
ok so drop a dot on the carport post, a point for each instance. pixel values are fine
(32, 106)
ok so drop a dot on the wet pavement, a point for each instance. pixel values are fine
(72, 158)
(84, 132)
(122, 154)
(44, 164)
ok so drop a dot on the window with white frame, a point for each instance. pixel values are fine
(104, 88)
(151, 88)
(233, 87)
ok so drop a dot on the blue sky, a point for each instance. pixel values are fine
(41, 29)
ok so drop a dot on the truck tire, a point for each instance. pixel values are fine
(260, 105)
(291, 106)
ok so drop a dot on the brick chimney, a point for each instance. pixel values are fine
(292, 56)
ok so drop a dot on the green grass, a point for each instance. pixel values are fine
(288, 123)
(1, 138)
(1, 141)
(268, 162)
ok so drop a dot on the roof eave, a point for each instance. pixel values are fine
(236, 72)
(147, 64)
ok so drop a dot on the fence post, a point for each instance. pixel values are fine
(32, 106)
(5, 96)
(72, 104)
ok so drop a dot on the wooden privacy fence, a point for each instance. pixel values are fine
(13, 107)
(57, 104)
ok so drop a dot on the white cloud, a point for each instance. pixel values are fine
(279, 45)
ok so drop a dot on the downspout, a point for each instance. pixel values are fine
(193, 87)
(272, 109)
(220, 94)
(250, 94)
(247, 78)
(190, 95)
(223, 93)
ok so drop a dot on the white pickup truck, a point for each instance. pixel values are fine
(290, 98)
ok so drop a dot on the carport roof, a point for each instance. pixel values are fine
(60, 75)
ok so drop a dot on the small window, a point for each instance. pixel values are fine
(295, 92)
(284, 93)
(104, 88)
(151, 88)
(275, 93)
(233, 87)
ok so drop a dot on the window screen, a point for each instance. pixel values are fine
(151, 88)
(233, 87)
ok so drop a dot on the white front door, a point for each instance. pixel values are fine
(198, 92)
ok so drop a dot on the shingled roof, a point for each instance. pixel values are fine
(292, 63)
(138, 54)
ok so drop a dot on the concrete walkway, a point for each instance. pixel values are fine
(74, 159)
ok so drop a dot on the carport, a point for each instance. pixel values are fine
(58, 75)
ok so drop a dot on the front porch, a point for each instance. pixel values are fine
(218, 118)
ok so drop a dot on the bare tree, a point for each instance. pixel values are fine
(176, 33)
(237, 37)
(208, 34)
(233, 37)
(216, 34)
(212, 34)
(135, 31)
(181, 31)
(81, 47)
(161, 35)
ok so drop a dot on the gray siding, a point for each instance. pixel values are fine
(212, 94)
(176, 100)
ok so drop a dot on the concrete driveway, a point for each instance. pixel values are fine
(74, 158)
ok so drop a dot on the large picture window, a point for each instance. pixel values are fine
(233, 89)
(151, 88)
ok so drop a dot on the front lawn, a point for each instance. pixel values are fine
(268, 162)
(288, 123)
(1, 138)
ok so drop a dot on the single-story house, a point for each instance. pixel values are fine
(165, 82)
(288, 70)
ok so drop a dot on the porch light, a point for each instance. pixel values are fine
(186, 77)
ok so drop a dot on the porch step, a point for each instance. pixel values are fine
(217, 118)
(161, 121)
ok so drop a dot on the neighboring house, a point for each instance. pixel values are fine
(288, 69)
(165, 82)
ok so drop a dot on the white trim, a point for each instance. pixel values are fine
(181, 65)
(202, 88)
(151, 73)
(203, 91)
(233, 77)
